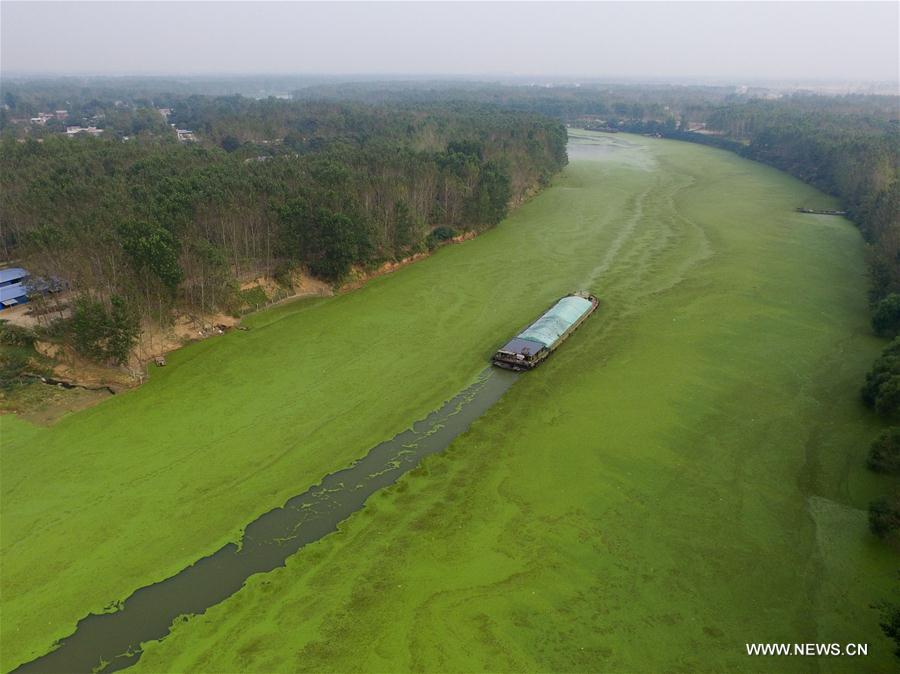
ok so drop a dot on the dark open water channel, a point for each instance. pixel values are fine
(111, 641)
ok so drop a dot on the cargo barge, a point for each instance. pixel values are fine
(531, 347)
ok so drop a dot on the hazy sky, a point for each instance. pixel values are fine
(769, 40)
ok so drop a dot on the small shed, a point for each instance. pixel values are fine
(13, 288)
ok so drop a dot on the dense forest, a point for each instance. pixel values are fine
(144, 225)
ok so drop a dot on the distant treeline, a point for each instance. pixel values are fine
(31, 95)
(270, 187)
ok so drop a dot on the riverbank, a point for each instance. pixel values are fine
(37, 405)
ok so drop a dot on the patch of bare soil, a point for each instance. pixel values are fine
(307, 286)
(302, 287)
(44, 405)
(156, 341)
(359, 277)
(268, 285)
(78, 371)
(68, 366)
(40, 312)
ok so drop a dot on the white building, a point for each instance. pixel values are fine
(42, 118)
(90, 130)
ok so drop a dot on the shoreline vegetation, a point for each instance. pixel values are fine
(62, 369)
(154, 239)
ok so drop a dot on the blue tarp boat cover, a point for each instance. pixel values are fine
(522, 346)
(559, 318)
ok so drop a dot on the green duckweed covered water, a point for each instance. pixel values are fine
(685, 475)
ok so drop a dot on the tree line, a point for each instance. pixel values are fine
(144, 226)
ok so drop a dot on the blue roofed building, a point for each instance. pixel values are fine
(13, 288)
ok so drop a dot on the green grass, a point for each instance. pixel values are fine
(685, 475)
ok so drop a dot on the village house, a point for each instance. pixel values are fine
(42, 118)
(90, 130)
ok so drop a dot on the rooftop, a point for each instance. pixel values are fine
(12, 274)
(522, 346)
(11, 292)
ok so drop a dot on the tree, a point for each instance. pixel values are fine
(466, 147)
(327, 242)
(103, 334)
(884, 453)
(890, 624)
(489, 204)
(152, 248)
(230, 143)
(209, 282)
(881, 390)
(438, 236)
(886, 318)
(90, 327)
(884, 516)
(407, 232)
(13, 365)
(123, 331)
(171, 225)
